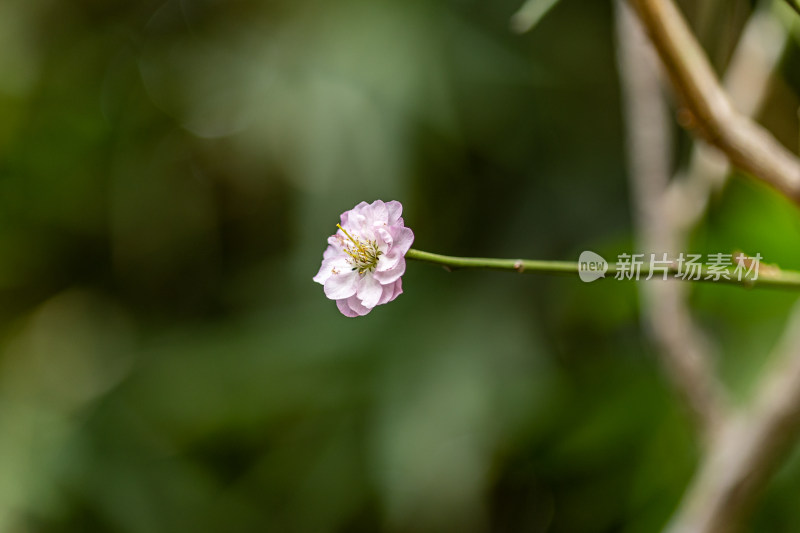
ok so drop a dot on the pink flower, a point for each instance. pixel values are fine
(365, 259)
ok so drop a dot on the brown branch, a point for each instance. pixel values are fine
(746, 81)
(682, 349)
(748, 449)
(666, 210)
(750, 444)
(707, 109)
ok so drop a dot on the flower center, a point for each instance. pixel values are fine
(363, 254)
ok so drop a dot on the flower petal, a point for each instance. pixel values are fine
(341, 285)
(388, 261)
(403, 239)
(391, 275)
(345, 309)
(334, 242)
(355, 223)
(395, 209)
(356, 306)
(390, 292)
(398, 288)
(380, 215)
(369, 291)
(330, 252)
(330, 266)
(357, 210)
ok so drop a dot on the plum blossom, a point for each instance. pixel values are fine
(365, 258)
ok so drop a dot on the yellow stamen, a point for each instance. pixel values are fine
(357, 243)
(363, 257)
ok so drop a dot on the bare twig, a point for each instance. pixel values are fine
(749, 444)
(683, 350)
(529, 15)
(746, 81)
(748, 449)
(707, 109)
(666, 212)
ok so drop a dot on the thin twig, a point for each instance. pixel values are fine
(751, 443)
(768, 276)
(748, 449)
(746, 83)
(683, 350)
(668, 209)
(708, 111)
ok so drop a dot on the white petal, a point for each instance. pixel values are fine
(369, 291)
(391, 275)
(395, 209)
(398, 288)
(403, 239)
(330, 265)
(341, 285)
(345, 309)
(358, 219)
(388, 261)
(380, 215)
(358, 210)
(385, 235)
(335, 241)
(356, 306)
(354, 223)
(330, 251)
(390, 292)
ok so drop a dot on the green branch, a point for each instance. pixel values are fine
(768, 275)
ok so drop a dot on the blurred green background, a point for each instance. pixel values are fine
(169, 173)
